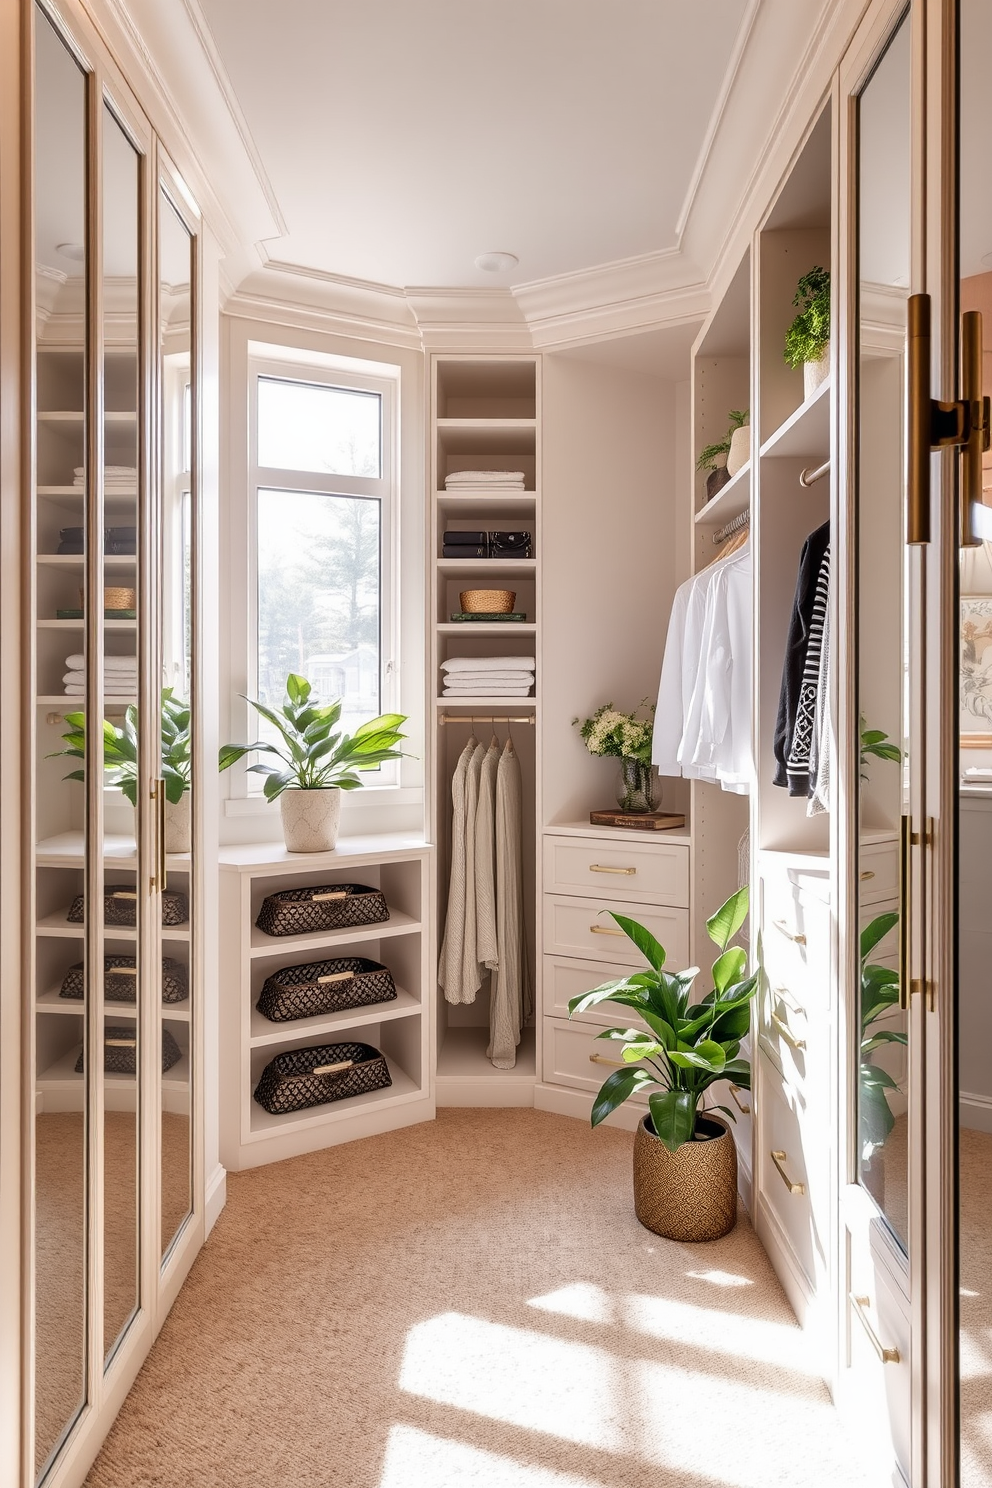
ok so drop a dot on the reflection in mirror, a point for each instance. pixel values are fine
(122, 1022)
(61, 1193)
(884, 222)
(975, 797)
(179, 526)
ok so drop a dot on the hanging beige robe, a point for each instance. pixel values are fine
(450, 966)
(471, 979)
(485, 860)
(511, 994)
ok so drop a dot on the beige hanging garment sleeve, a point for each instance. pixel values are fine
(511, 991)
(471, 970)
(452, 947)
(485, 860)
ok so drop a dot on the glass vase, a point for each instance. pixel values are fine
(635, 786)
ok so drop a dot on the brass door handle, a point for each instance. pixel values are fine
(905, 907)
(918, 419)
(978, 421)
(789, 935)
(786, 1032)
(861, 1306)
(602, 1059)
(744, 1110)
(600, 868)
(604, 930)
(779, 1158)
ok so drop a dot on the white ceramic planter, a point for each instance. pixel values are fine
(178, 821)
(310, 819)
(740, 449)
(815, 373)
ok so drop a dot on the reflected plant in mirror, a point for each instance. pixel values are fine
(879, 993)
(876, 744)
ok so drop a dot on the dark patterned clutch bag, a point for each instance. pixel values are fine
(325, 987)
(321, 907)
(311, 1077)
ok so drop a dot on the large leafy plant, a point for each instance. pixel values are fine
(120, 748)
(879, 993)
(313, 753)
(810, 331)
(686, 1046)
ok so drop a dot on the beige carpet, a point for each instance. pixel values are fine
(471, 1301)
(976, 1310)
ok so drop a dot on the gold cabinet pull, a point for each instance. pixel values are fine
(601, 868)
(868, 873)
(978, 421)
(918, 419)
(604, 930)
(861, 1306)
(336, 976)
(124, 894)
(781, 925)
(786, 1032)
(734, 1096)
(905, 908)
(779, 1159)
(332, 1069)
(323, 898)
(602, 1059)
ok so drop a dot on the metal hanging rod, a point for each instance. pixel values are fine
(809, 477)
(743, 519)
(483, 718)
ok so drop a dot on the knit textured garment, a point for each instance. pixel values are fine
(794, 662)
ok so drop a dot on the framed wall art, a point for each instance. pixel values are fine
(975, 671)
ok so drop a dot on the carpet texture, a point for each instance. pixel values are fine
(472, 1302)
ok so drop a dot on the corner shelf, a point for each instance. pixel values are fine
(265, 1033)
(283, 945)
(730, 500)
(806, 433)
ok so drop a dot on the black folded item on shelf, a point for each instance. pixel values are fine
(120, 1051)
(120, 541)
(487, 544)
(302, 911)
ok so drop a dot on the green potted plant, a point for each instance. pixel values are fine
(627, 738)
(740, 440)
(723, 459)
(120, 761)
(317, 762)
(685, 1160)
(879, 993)
(807, 341)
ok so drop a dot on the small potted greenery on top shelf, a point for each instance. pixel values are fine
(807, 341)
(726, 456)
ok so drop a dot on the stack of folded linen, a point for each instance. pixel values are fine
(488, 676)
(115, 477)
(116, 540)
(120, 675)
(491, 480)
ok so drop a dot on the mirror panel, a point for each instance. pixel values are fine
(176, 260)
(61, 1186)
(884, 243)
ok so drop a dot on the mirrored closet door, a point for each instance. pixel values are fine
(112, 986)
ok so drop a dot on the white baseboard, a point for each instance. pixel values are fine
(975, 1111)
(456, 1090)
(563, 1101)
(216, 1198)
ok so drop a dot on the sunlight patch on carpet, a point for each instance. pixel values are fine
(415, 1459)
(723, 1333)
(583, 1300)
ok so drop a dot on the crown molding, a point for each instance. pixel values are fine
(290, 296)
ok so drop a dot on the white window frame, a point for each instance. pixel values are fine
(176, 484)
(297, 365)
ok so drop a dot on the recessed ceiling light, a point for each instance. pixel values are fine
(75, 251)
(496, 263)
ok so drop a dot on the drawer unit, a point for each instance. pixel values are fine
(583, 928)
(879, 873)
(786, 1170)
(573, 1055)
(646, 873)
(785, 1031)
(794, 944)
(741, 1102)
(565, 977)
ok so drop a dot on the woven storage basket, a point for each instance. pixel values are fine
(325, 987)
(120, 979)
(321, 907)
(312, 1077)
(120, 1047)
(120, 908)
(491, 601)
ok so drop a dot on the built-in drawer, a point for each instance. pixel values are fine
(565, 977)
(573, 1055)
(879, 872)
(740, 1102)
(648, 872)
(584, 929)
(795, 1042)
(786, 1165)
(794, 941)
(880, 1347)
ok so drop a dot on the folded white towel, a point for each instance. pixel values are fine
(111, 680)
(496, 689)
(484, 477)
(488, 664)
(108, 470)
(77, 661)
(521, 676)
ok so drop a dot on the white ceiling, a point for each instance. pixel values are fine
(401, 140)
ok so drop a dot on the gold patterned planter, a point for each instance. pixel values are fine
(689, 1194)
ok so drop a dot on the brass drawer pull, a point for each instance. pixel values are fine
(604, 930)
(337, 976)
(332, 1069)
(323, 898)
(598, 868)
(868, 873)
(121, 1043)
(796, 939)
(602, 1059)
(121, 971)
(861, 1306)
(744, 1110)
(124, 894)
(779, 1158)
(786, 1032)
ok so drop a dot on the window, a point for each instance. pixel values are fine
(322, 528)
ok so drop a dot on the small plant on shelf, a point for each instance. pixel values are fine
(726, 456)
(808, 336)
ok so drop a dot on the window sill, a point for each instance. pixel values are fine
(385, 796)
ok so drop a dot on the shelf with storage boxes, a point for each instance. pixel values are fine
(486, 418)
(399, 1027)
